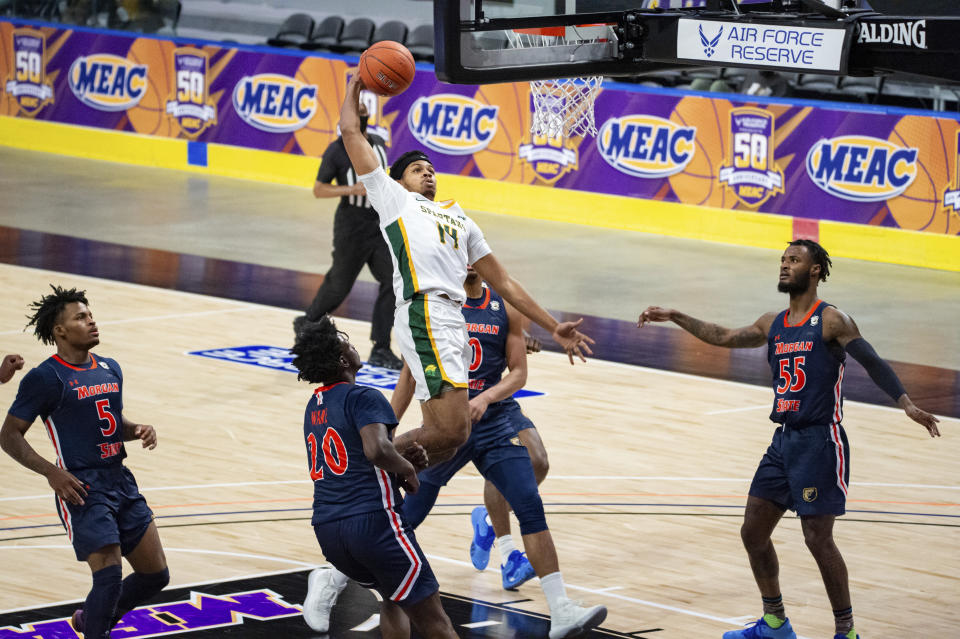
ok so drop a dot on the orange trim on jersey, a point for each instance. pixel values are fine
(93, 363)
(448, 204)
(483, 304)
(320, 389)
(787, 324)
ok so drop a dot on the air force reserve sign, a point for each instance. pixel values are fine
(782, 45)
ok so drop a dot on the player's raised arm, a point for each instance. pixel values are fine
(564, 333)
(362, 155)
(839, 326)
(747, 337)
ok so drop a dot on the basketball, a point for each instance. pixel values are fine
(387, 68)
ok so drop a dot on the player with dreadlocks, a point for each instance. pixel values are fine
(357, 474)
(807, 466)
(79, 397)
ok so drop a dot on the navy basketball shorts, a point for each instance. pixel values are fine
(114, 512)
(806, 470)
(378, 550)
(519, 420)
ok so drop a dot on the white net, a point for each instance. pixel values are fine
(564, 106)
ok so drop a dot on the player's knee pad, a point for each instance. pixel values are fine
(156, 581)
(528, 508)
(417, 505)
(514, 479)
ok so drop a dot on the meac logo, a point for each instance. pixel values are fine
(646, 146)
(275, 103)
(453, 124)
(107, 82)
(861, 168)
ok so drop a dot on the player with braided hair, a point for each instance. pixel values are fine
(79, 398)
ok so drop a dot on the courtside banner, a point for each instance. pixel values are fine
(816, 160)
(780, 46)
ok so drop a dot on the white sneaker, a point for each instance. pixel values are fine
(570, 620)
(322, 594)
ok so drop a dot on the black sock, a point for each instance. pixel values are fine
(101, 603)
(138, 588)
(774, 606)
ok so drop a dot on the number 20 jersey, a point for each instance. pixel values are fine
(81, 408)
(807, 372)
(345, 483)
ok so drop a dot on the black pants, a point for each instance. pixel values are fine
(357, 241)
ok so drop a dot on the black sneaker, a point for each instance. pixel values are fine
(383, 357)
(298, 323)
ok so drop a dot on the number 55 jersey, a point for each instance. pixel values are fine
(807, 372)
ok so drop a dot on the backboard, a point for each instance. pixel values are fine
(492, 41)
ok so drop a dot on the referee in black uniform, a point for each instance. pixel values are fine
(356, 241)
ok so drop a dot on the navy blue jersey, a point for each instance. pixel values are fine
(81, 408)
(807, 372)
(487, 324)
(345, 483)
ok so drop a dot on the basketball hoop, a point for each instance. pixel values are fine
(562, 106)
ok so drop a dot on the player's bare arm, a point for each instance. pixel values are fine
(325, 189)
(362, 156)
(516, 377)
(746, 337)
(381, 452)
(840, 327)
(564, 333)
(13, 442)
(402, 392)
(144, 432)
(8, 366)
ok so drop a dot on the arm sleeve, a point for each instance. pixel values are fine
(386, 195)
(328, 165)
(38, 395)
(879, 370)
(368, 406)
(477, 246)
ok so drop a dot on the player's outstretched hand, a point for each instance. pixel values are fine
(573, 341)
(147, 434)
(409, 480)
(66, 486)
(654, 314)
(416, 455)
(923, 418)
(10, 365)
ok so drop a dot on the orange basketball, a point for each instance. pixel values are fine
(387, 68)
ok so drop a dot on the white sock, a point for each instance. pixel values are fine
(506, 546)
(338, 579)
(553, 589)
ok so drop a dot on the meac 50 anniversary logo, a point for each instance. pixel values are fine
(646, 146)
(107, 82)
(749, 170)
(28, 85)
(191, 105)
(861, 168)
(453, 124)
(275, 103)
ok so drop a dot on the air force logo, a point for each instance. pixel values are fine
(710, 45)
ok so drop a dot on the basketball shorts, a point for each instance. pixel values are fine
(433, 341)
(806, 470)
(114, 512)
(378, 550)
(497, 453)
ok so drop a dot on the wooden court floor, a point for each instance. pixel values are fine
(649, 470)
